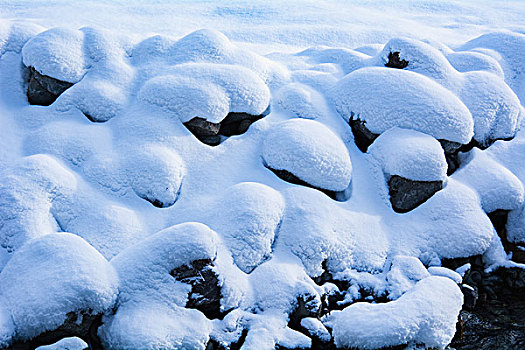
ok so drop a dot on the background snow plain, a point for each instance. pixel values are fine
(140, 69)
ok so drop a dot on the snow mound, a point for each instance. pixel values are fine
(468, 61)
(301, 101)
(343, 238)
(72, 343)
(426, 314)
(155, 174)
(61, 274)
(14, 35)
(209, 91)
(310, 151)
(385, 98)
(58, 53)
(410, 154)
(247, 216)
(404, 273)
(496, 185)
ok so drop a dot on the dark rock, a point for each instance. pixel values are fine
(237, 123)
(363, 137)
(470, 297)
(82, 325)
(406, 194)
(291, 178)
(499, 221)
(205, 294)
(394, 61)
(44, 90)
(451, 150)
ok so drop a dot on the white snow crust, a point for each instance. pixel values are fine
(77, 231)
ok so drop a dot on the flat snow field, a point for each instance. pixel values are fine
(209, 174)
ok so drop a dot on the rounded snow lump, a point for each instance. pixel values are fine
(410, 154)
(58, 53)
(52, 276)
(385, 98)
(155, 173)
(310, 151)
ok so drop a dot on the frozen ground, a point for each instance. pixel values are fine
(119, 210)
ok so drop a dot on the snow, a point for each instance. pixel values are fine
(72, 343)
(410, 154)
(310, 151)
(385, 98)
(82, 281)
(91, 163)
(426, 314)
(57, 53)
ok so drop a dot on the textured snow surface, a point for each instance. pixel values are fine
(410, 154)
(79, 233)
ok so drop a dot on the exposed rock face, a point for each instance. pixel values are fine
(44, 90)
(499, 220)
(291, 178)
(205, 294)
(451, 150)
(82, 325)
(394, 61)
(406, 194)
(233, 124)
(362, 136)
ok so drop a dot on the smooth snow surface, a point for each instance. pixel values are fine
(105, 192)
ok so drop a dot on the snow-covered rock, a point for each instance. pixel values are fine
(310, 151)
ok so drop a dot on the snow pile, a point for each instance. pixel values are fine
(61, 274)
(410, 154)
(426, 314)
(385, 98)
(310, 151)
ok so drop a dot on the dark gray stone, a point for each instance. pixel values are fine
(44, 90)
(205, 294)
(363, 137)
(291, 178)
(394, 61)
(406, 194)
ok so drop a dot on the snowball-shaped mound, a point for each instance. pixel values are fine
(317, 229)
(348, 60)
(451, 224)
(247, 217)
(510, 46)
(310, 151)
(426, 314)
(100, 100)
(422, 58)
(410, 154)
(497, 187)
(467, 61)
(385, 98)
(155, 173)
(495, 108)
(202, 45)
(151, 49)
(52, 276)
(58, 53)
(14, 35)
(404, 273)
(301, 101)
(154, 326)
(208, 91)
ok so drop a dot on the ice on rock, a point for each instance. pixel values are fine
(410, 154)
(247, 217)
(155, 173)
(384, 98)
(343, 238)
(426, 314)
(58, 53)
(310, 151)
(497, 187)
(209, 91)
(52, 276)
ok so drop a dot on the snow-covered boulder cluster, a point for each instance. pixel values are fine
(342, 185)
